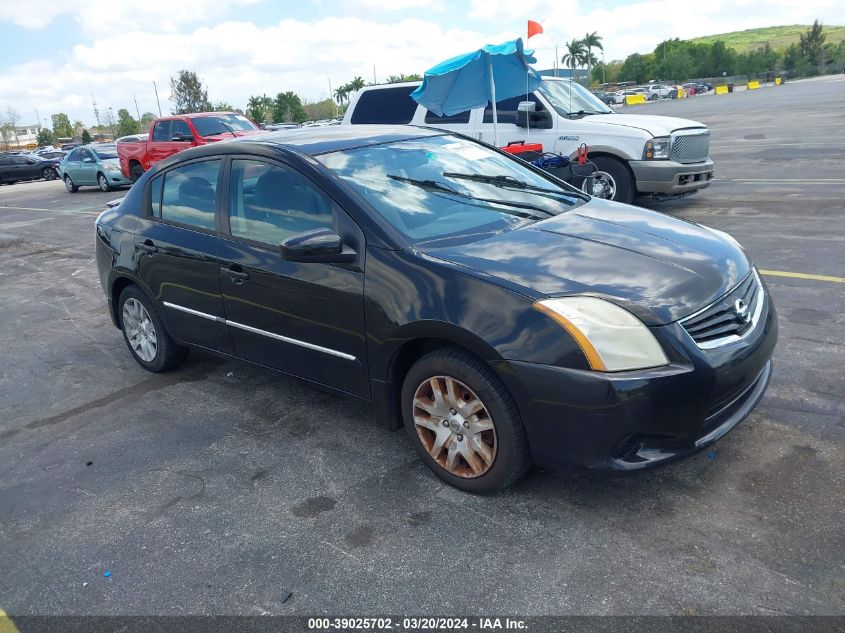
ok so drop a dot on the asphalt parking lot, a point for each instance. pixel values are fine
(221, 488)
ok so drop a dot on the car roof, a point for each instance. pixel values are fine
(319, 140)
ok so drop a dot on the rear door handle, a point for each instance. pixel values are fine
(148, 247)
(237, 274)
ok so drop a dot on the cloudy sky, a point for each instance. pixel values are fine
(55, 54)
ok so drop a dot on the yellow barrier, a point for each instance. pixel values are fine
(753, 85)
(634, 99)
(777, 81)
(721, 90)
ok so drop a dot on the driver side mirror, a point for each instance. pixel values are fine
(87, 159)
(317, 245)
(540, 120)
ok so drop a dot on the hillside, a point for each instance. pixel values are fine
(778, 37)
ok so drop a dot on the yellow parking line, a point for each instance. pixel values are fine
(6, 624)
(783, 273)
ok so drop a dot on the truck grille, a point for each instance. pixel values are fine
(730, 318)
(691, 146)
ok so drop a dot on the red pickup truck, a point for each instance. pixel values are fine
(172, 134)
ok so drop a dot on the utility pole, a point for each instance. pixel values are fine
(96, 112)
(38, 118)
(137, 110)
(331, 94)
(157, 101)
(374, 74)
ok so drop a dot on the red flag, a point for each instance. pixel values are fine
(534, 28)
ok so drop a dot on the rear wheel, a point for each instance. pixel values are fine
(103, 182)
(144, 333)
(612, 180)
(463, 423)
(72, 188)
(48, 173)
(135, 171)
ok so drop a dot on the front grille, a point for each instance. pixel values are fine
(725, 321)
(691, 146)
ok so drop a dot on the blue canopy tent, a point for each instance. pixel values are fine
(499, 71)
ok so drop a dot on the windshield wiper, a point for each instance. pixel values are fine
(433, 185)
(587, 112)
(510, 182)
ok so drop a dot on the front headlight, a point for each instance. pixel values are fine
(112, 167)
(657, 148)
(611, 338)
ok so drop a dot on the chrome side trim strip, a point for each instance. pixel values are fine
(254, 330)
(210, 317)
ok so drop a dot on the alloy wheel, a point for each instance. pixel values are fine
(140, 330)
(454, 426)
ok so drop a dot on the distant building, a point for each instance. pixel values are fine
(24, 136)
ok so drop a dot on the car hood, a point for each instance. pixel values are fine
(659, 267)
(653, 124)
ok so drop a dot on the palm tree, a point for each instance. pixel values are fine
(591, 41)
(340, 94)
(357, 83)
(574, 56)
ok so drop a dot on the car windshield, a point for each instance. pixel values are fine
(222, 124)
(445, 188)
(105, 152)
(568, 98)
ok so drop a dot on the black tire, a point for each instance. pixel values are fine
(48, 173)
(103, 182)
(621, 175)
(653, 97)
(135, 172)
(512, 456)
(168, 353)
(72, 188)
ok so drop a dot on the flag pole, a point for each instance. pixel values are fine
(493, 101)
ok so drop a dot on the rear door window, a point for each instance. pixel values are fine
(189, 194)
(387, 105)
(161, 131)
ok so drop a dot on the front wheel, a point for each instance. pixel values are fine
(463, 423)
(611, 181)
(72, 188)
(144, 333)
(103, 182)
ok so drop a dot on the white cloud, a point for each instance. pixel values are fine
(237, 58)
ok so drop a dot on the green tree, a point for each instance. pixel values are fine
(287, 107)
(356, 84)
(188, 94)
(61, 125)
(395, 79)
(260, 108)
(635, 68)
(45, 137)
(574, 56)
(86, 137)
(591, 41)
(811, 43)
(222, 106)
(146, 121)
(126, 124)
(341, 93)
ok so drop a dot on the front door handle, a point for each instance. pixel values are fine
(236, 273)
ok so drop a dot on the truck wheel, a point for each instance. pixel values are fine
(612, 180)
(135, 172)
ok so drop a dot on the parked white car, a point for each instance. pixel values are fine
(653, 92)
(634, 153)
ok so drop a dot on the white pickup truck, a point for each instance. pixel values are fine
(634, 154)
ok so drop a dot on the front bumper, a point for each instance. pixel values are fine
(671, 178)
(636, 419)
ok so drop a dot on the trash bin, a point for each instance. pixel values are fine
(730, 87)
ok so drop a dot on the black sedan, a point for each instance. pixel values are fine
(502, 316)
(15, 167)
